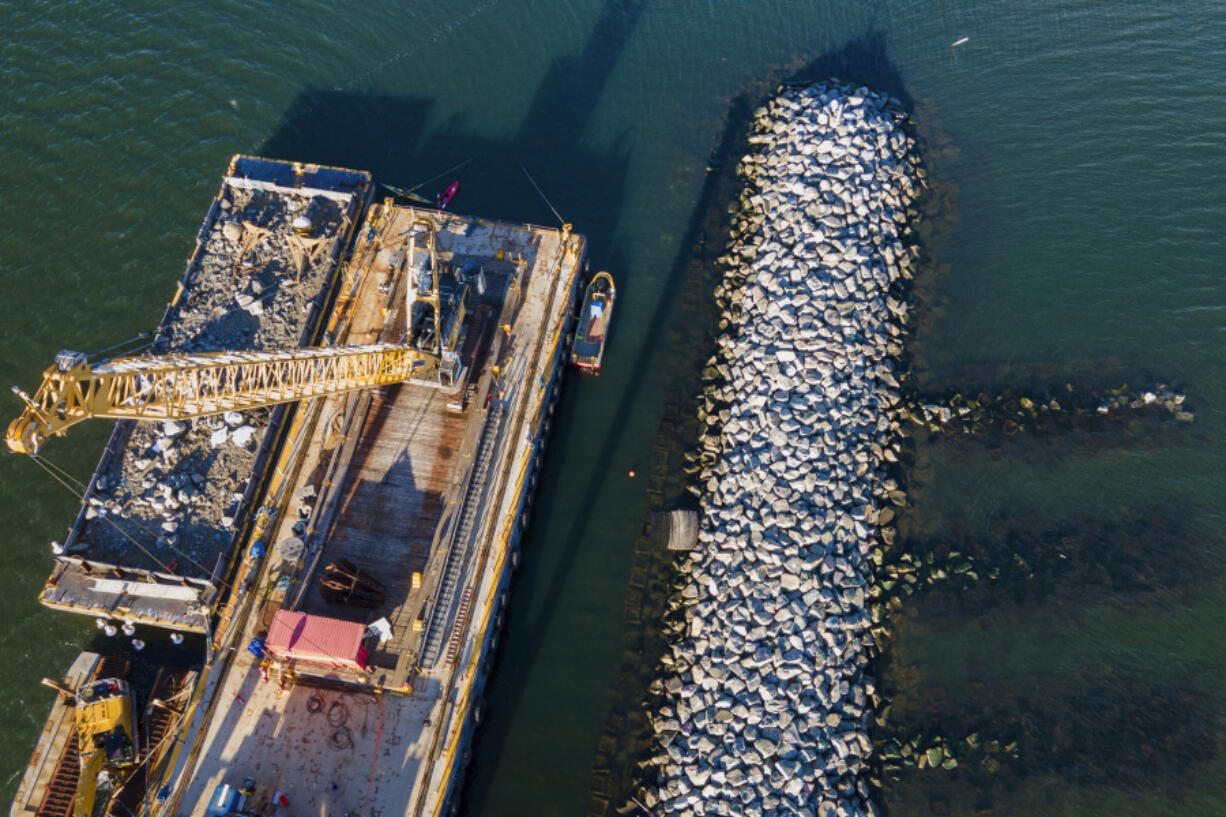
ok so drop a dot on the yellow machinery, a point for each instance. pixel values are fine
(177, 387)
(106, 738)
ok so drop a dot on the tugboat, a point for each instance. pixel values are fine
(587, 351)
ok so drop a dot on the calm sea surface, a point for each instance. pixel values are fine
(1083, 145)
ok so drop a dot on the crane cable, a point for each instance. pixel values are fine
(121, 531)
(542, 195)
(417, 187)
(51, 469)
(145, 336)
(80, 486)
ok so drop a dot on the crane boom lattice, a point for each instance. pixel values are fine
(176, 387)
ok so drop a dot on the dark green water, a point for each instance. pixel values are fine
(1087, 146)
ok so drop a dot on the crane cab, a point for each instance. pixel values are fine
(104, 723)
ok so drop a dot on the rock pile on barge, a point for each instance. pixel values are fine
(168, 497)
(183, 481)
(766, 698)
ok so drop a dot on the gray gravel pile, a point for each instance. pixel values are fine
(765, 701)
(177, 486)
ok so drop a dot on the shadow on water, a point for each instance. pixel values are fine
(362, 131)
(862, 61)
(387, 135)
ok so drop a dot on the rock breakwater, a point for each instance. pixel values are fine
(766, 697)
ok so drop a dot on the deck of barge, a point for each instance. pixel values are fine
(410, 479)
(401, 472)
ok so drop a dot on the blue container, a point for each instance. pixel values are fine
(224, 800)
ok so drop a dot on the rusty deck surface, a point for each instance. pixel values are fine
(394, 497)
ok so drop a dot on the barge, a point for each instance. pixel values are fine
(349, 594)
(155, 539)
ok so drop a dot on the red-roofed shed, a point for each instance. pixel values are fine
(320, 640)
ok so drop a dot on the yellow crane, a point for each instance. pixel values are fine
(183, 386)
(178, 387)
(108, 745)
(106, 739)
